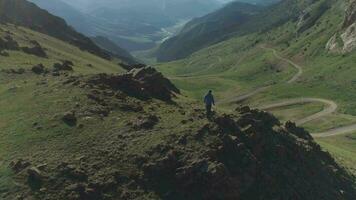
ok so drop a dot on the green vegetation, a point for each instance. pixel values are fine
(79, 133)
(239, 65)
(57, 51)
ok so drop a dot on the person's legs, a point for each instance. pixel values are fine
(208, 110)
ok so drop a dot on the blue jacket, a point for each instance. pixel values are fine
(209, 99)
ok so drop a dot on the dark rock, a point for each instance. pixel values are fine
(36, 50)
(19, 165)
(35, 178)
(162, 168)
(69, 118)
(100, 110)
(243, 109)
(72, 172)
(39, 69)
(300, 132)
(140, 83)
(131, 107)
(147, 122)
(65, 66)
(8, 43)
(4, 53)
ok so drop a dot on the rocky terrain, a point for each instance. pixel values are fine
(164, 148)
(345, 40)
(76, 126)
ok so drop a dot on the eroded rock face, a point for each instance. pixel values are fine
(249, 159)
(345, 40)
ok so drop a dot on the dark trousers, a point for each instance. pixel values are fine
(208, 110)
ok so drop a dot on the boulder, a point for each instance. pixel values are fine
(8, 43)
(69, 118)
(65, 66)
(147, 122)
(39, 69)
(19, 165)
(36, 50)
(299, 132)
(35, 178)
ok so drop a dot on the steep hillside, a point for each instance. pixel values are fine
(207, 30)
(246, 20)
(110, 46)
(74, 17)
(287, 69)
(23, 13)
(345, 40)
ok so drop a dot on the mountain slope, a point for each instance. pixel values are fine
(257, 68)
(258, 20)
(27, 14)
(207, 30)
(71, 15)
(110, 46)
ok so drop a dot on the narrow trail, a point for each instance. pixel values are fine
(330, 108)
(298, 67)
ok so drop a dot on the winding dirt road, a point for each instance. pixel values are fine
(298, 67)
(329, 109)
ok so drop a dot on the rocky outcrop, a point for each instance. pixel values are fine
(345, 40)
(64, 66)
(8, 43)
(250, 155)
(142, 83)
(39, 69)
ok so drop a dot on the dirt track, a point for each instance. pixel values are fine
(329, 109)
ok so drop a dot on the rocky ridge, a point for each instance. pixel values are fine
(250, 155)
(345, 40)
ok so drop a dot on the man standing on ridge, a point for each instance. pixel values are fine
(209, 102)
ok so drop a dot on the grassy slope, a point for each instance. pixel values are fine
(27, 98)
(245, 66)
(57, 51)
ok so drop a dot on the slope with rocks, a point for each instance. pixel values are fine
(345, 40)
(26, 14)
(246, 68)
(112, 136)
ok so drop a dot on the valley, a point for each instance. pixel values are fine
(82, 119)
